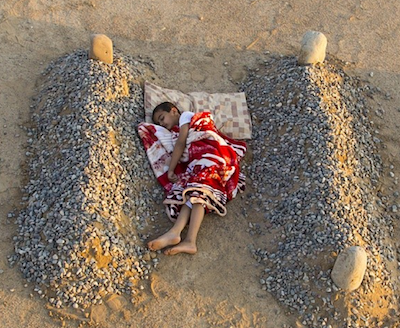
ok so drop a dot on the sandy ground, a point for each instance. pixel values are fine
(195, 46)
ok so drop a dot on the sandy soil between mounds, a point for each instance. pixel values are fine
(195, 46)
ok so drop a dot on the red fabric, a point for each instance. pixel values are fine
(208, 172)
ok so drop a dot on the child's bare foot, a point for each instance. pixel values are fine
(167, 239)
(183, 247)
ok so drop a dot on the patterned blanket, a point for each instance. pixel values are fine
(208, 172)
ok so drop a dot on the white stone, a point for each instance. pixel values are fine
(101, 48)
(349, 269)
(313, 48)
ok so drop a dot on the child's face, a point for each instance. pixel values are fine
(167, 119)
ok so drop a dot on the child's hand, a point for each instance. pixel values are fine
(172, 176)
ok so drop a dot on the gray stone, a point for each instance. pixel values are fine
(101, 48)
(313, 48)
(349, 269)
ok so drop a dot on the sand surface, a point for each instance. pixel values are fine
(195, 46)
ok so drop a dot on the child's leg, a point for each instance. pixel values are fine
(172, 236)
(188, 245)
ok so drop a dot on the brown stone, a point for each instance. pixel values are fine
(101, 48)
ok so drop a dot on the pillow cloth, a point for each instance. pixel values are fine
(229, 110)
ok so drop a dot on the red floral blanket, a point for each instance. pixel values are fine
(208, 171)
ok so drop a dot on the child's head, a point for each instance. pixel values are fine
(166, 114)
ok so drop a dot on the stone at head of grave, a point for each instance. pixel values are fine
(349, 268)
(313, 48)
(101, 48)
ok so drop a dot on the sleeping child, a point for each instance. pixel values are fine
(198, 168)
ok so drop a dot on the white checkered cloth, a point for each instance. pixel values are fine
(229, 110)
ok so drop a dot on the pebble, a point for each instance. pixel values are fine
(318, 153)
(88, 178)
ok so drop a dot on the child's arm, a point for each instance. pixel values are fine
(178, 151)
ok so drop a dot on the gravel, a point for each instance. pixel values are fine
(315, 176)
(316, 147)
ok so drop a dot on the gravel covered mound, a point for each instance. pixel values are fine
(315, 173)
(90, 186)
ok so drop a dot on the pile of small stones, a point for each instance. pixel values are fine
(90, 185)
(315, 172)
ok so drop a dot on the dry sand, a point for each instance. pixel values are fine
(195, 45)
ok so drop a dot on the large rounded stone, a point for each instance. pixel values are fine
(313, 48)
(349, 269)
(101, 48)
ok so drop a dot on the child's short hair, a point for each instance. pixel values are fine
(164, 107)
